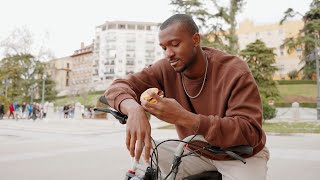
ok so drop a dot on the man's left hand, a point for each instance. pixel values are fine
(166, 109)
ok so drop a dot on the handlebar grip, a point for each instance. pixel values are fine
(121, 117)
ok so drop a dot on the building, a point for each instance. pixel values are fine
(123, 47)
(82, 68)
(273, 35)
(60, 72)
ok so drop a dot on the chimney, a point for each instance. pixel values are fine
(82, 45)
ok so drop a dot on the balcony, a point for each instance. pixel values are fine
(130, 63)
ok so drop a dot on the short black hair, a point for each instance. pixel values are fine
(184, 19)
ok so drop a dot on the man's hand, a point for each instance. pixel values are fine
(169, 110)
(138, 133)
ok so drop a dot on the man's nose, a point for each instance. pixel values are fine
(168, 53)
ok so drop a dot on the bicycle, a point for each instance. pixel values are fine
(152, 173)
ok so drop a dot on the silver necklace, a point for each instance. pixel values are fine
(204, 80)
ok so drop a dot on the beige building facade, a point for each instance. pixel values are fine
(60, 72)
(274, 35)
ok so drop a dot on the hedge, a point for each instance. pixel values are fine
(283, 82)
(306, 105)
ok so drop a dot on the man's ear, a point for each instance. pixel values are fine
(196, 39)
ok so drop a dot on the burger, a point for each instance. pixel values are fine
(148, 98)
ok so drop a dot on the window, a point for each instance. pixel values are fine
(111, 26)
(103, 28)
(280, 31)
(299, 51)
(121, 26)
(282, 53)
(131, 26)
(140, 27)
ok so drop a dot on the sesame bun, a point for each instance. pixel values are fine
(147, 97)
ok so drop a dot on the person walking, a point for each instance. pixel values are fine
(11, 111)
(29, 109)
(1, 111)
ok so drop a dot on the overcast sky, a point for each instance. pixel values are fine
(70, 22)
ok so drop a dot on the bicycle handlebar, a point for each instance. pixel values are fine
(118, 115)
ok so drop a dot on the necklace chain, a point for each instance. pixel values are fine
(204, 80)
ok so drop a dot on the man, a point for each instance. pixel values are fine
(1, 111)
(23, 109)
(207, 92)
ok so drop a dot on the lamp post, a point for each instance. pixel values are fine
(6, 90)
(317, 71)
(31, 89)
(43, 87)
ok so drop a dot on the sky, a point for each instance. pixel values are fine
(61, 25)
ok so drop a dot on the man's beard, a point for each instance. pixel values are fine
(186, 66)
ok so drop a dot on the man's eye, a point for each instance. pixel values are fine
(175, 44)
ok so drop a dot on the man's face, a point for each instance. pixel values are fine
(178, 46)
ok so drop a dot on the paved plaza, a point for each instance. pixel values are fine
(68, 149)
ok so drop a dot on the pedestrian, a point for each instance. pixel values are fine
(66, 111)
(1, 111)
(24, 110)
(29, 109)
(11, 111)
(35, 111)
(45, 109)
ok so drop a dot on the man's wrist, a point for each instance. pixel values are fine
(190, 121)
(129, 106)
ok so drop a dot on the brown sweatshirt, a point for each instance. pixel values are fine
(229, 105)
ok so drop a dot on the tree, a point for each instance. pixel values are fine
(22, 69)
(22, 72)
(260, 60)
(21, 41)
(213, 23)
(305, 39)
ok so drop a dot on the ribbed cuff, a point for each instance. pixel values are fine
(119, 99)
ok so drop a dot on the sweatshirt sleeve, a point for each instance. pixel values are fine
(133, 86)
(242, 124)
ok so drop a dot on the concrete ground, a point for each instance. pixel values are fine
(94, 149)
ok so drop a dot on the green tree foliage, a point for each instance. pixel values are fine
(306, 38)
(23, 71)
(260, 60)
(5, 103)
(269, 112)
(214, 21)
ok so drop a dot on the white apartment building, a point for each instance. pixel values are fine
(123, 47)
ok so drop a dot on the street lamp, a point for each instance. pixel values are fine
(43, 87)
(32, 89)
(5, 81)
(317, 71)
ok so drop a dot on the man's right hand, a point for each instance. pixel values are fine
(138, 133)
